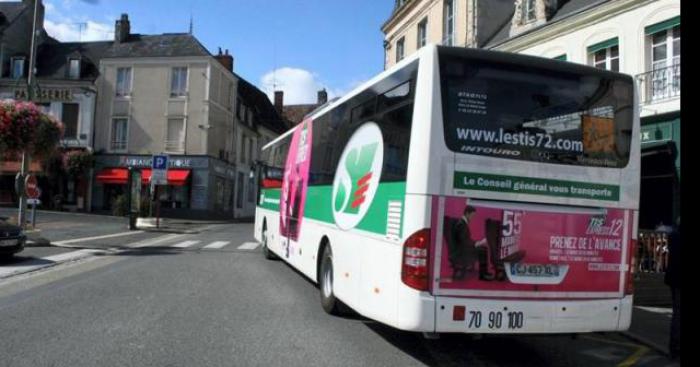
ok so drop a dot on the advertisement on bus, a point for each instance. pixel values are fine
(504, 247)
(294, 184)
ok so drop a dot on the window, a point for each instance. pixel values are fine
(119, 134)
(400, 49)
(178, 82)
(529, 14)
(581, 118)
(123, 82)
(422, 33)
(665, 62)
(71, 111)
(74, 69)
(605, 55)
(449, 22)
(251, 189)
(175, 140)
(17, 67)
(244, 141)
(560, 57)
(241, 192)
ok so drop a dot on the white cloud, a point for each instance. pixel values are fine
(62, 24)
(300, 86)
(79, 31)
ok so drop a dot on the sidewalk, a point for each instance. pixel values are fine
(651, 315)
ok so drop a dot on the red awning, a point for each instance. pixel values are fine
(176, 177)
(115, 176)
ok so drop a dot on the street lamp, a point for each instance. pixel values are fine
(21, 217)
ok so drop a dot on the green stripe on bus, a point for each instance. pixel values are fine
(319, 199)
(270, 199)
(535, 186)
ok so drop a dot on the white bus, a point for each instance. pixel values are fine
(464, 191)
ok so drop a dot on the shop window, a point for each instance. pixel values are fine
(240, 191)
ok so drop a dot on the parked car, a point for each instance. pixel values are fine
(12, 238)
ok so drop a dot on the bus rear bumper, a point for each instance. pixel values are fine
(524, 317)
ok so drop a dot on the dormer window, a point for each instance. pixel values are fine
(17, 67)
(529, 14)
(74, 69)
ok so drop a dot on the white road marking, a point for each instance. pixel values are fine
(661, 310)
(84, 239)
(248, 246)
(185, 244)
(36, 264)
(217, 244)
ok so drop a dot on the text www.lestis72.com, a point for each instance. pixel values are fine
(524, 139)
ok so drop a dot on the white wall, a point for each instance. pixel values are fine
(627, 26)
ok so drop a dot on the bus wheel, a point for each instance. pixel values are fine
(329, 303)
(265, 250)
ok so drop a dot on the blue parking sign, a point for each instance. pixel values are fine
(160, 162)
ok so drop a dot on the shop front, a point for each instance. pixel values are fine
(660, 181)
(193, 188)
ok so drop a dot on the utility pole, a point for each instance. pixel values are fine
(22, 215)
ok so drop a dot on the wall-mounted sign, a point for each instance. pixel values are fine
(46, 94)
(127, 161)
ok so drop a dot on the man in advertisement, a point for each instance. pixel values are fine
(463, 250)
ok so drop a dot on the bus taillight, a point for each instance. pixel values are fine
(629, 278)
(414, 269)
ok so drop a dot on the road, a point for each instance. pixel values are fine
(211, 299)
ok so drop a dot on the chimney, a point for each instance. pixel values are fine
(279, 101)
(122, 29)
(322, 97)
(225, 59)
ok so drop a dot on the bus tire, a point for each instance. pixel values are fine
(329, 303)
(265, 250)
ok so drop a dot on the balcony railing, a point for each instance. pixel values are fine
(660, 84)
(174, 146)
(118, 145)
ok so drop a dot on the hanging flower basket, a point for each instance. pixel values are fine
(24, 128)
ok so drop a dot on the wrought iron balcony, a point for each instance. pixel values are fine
(660, 84)
(175, 146)
(118, 145)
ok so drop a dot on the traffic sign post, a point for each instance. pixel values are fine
(159, 176)
(33, 192)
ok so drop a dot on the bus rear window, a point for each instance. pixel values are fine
(535, 114)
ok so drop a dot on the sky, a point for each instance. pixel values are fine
(301, 46)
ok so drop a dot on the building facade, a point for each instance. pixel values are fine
(636, 37)
(463, 23)
(63, 87)
(166, 94)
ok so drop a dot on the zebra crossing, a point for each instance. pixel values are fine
(215, 245)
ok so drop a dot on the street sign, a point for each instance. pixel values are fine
(159, 170)
(31, 186)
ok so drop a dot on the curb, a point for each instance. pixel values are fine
(653, 345)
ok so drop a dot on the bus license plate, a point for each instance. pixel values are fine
(535, 270)
(495, 320)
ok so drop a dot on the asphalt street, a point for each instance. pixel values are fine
(211, 299)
